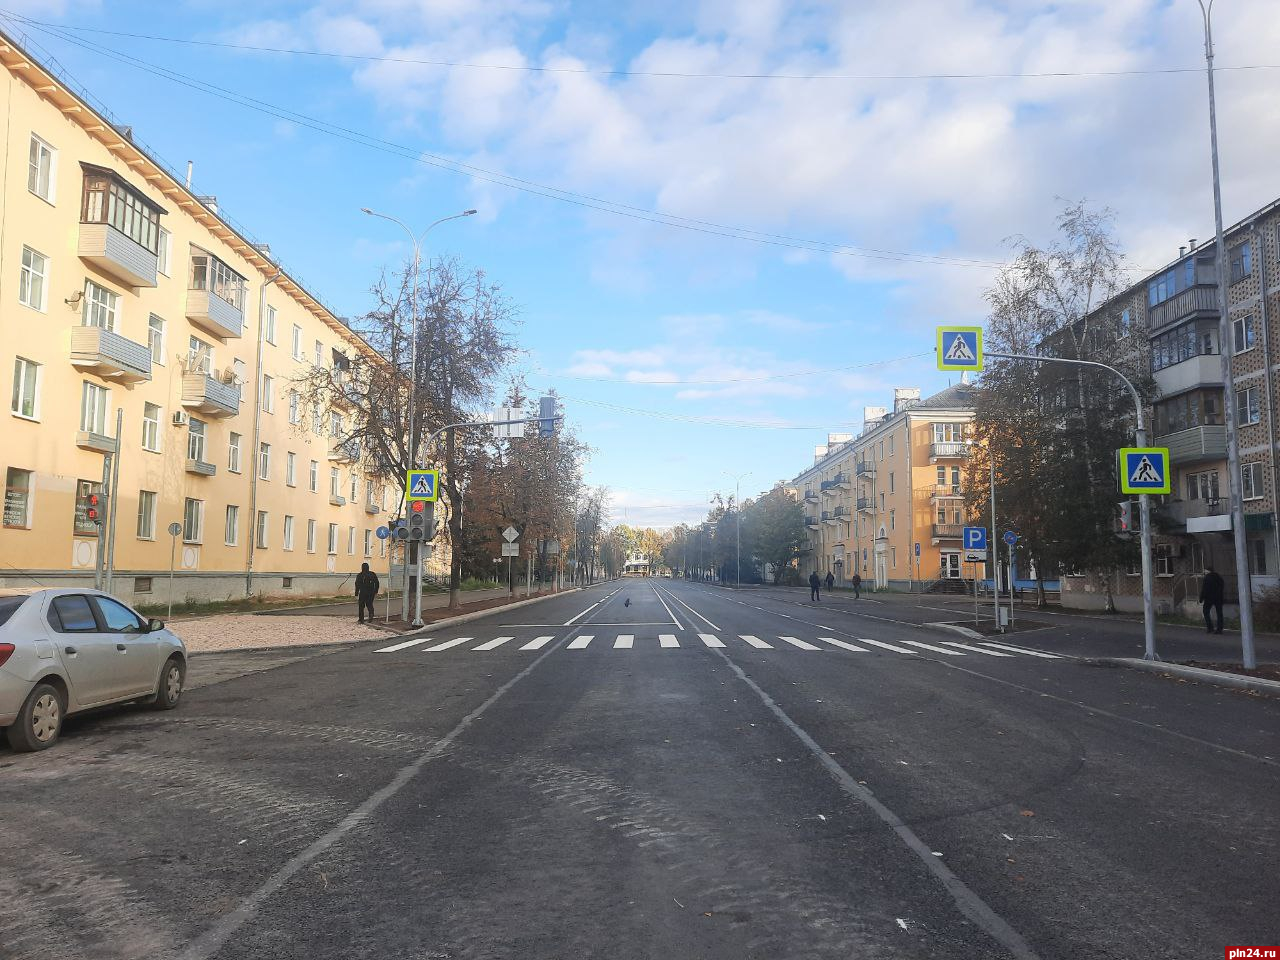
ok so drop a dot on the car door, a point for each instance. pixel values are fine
(135, 648)
(87, 653)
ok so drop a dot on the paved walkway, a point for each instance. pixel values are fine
(430, 601)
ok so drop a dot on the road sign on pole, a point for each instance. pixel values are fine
(1010, 538)
(511, 534)
(383, 532)
(1144, 470)
(511, 549)
(960, 348)
(975, 538)
(422, 486)
(917, 548)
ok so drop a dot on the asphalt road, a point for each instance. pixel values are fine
(665, 789)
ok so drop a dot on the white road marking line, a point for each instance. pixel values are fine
(537, 643)
(965, 646)
(569, 623)
(679, 625)
(580, 643)
(691, 610)
(402, 646)
(931, 647)
(756, 642)
(668, 640)
(493, 644)
(887, 646)
(710, 640)
(842, 644)
(1010, 647)
(447, 644)
(803, 645)
(624, 641)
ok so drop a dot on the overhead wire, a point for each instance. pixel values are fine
(732, 380)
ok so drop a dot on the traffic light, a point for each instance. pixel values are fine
(96, 508)
(1124, 517)
(546, 416)
(419, 521)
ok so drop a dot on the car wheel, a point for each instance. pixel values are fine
(171, 679)
(39, 721)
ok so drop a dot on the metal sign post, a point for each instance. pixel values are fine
(995, 562)
(175, 528)
(1011, 539)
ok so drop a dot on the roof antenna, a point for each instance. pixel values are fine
(190, 164)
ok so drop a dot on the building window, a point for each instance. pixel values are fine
(1125, 323)
(264, 461)
(1242, 333)
(291, 469)
(295, 408)
(317, 421)
(368, 543)
(333, 482)
(261, 533)
(1251, 480)
(351, 541)
(164, 250)
(155, 339)
(233, 453)
(151, 427)
(110, 200)
(211, 274)
(1241, 262)
(42, 169)
(100, 306)
(313, 481)
(1247, 409)
(893, 557)
(1163, 559)
(33, 281)
(333, 539)
(196, 440)
(892, 524)
(17, 498)
(295, 345)
(93, 408)
(192, 521)
(891, 481)
(335, 424)
(1257, 554)
(26, 383)
(948, 432)
(287, 541)
(269, 330)
(199, 356)
(142, 584)
(319, 355)
(146, 515)
(311, 536)
(368, 493)
(1196, 408)
(268, 394)
(1203, 486)
(231, 534)
(354, 483)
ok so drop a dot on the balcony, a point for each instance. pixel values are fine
(215, 316)
(372, 509)
(108, 355)
(811, 496)
(200, 469)
(948, 449)
(948, 531)
(1201, 371)
(1196, 444)
(947, 491)
(94, 441)
(865, 469)
(1200, 300)
(866, 504)
(811, 522)
(1196, 516)
(116, 255)
(347, 451)
(213, 398)
(337, 500)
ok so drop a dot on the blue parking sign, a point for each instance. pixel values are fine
(975, 538)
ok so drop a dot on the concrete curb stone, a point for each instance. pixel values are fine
(1257, 684)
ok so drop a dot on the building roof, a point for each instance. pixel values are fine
(958, 396)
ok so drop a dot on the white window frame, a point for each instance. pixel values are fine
(146, 529)
(264, 460)
(262, 530)
(231, 526)
(334, 481)
(313, 480)
(164, 251)
(268, 393)
(199, 356)
(295, 407)
(355, 488)
(368, 542)
(295, 346)
(29, 510)
(233, 452)
(319, 354)
(269, 326)
(105, 307)
(102, 399)
(351, 541)
(287, 537)
(156, 338)
(151, 427)
(1249, 406)
(290, 469)
(43, 150)
(333, 539)
(197, 439)
(1243, 327)
(1251, 481)
(20, 381)
(33, 274)
(311, 536)
(192, 518)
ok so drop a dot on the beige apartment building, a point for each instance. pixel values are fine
(872, 500)
(120, 290)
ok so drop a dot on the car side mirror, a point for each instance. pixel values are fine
(154, 625)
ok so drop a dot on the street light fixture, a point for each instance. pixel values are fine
(737, 509)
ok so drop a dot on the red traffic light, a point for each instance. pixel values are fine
(93, 499)
(417, 506)
(93, 514)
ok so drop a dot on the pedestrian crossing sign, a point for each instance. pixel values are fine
(960, 348)
(422, 486)
(1145, 470)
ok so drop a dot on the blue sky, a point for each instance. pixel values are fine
(620, 314)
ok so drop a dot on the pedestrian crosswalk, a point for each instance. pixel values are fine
(670, 641)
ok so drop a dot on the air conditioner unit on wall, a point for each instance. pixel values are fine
(180, 418)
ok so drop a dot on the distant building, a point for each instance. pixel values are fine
(637, 565)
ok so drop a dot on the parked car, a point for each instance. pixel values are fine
(63, 651)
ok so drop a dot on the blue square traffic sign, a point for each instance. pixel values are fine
(975, 538)
(1144, 470)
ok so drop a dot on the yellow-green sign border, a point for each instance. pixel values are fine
(1148, 451)
(408, 487)
(972, 367)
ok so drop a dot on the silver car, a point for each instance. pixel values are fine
(63, 651)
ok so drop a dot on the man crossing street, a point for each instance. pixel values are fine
(367, 586)
(815, 586)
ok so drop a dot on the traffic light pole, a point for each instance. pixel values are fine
(1144, 500)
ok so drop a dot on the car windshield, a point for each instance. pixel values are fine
(9, 606)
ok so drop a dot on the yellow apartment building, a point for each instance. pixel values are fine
(871, 500)
(120, 290)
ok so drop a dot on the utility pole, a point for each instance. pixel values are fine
(737, 509)
(1244, 584)
(994, 552)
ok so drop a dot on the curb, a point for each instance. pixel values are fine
(956, 628)
(1256, 684)
(478, 614)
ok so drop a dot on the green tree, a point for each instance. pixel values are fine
(773, 525)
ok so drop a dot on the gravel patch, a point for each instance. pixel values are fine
(247, 631)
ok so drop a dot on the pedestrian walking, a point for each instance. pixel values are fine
(815, 586)
(857, 586)
(1211, 591)
(367, 586)
(831, 581)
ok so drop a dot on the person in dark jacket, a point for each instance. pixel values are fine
(831, 580)
(1211, 591)
(815, 586)
(857, 587)
(366, 589)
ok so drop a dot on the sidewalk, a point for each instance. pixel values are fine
(430, 601)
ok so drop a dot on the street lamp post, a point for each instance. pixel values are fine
(1244, 588)
(737, 508)
(417, 242)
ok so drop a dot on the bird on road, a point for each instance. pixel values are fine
(627, 602)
